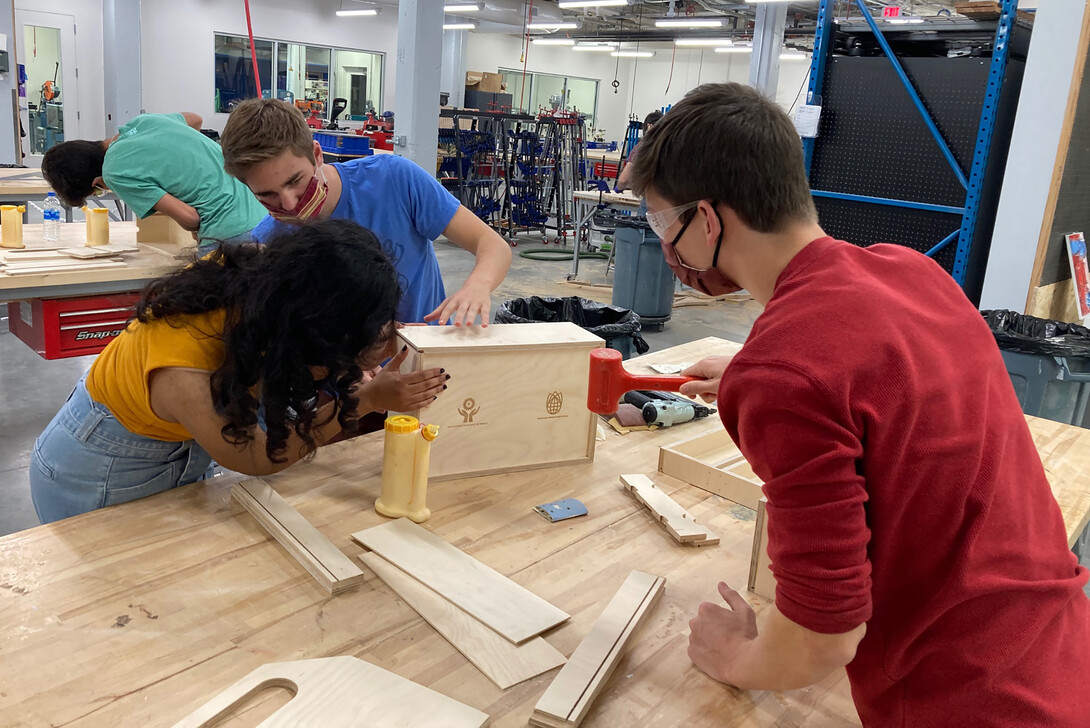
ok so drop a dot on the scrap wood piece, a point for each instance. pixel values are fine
(502, 662)
(64, 266)
(761, 581)
(713, 463)
(567, 700)
(508, 608)
(678, 522)
(340, 692)
(314, 552)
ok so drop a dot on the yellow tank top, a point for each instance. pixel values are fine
(119, 376)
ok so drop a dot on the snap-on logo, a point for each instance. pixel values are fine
(86, 335)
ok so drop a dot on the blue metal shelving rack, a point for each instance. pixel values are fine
(972, 180)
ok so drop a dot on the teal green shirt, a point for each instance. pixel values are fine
(157, 154)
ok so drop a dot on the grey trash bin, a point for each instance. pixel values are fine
(642, 282)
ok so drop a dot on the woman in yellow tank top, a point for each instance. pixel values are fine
(253, 357)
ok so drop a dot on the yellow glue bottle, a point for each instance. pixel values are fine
(405, 459)
(98, 226)
(11, 226)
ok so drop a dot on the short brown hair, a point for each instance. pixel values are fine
(727, 143)
(261, 129)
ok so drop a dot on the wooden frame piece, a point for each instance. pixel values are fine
(314, 552)
(60, 266)
(340, 692)
(503, 663)
(490, 597)
(713, 463)
(761, 581)
(567, 700)
(678, 522)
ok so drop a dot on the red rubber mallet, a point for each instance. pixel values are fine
(609, 380)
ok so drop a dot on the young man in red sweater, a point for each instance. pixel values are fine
(912, 532)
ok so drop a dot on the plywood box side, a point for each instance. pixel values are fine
(506, 409)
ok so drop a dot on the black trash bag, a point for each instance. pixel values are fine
(600, 319)
(1031, 335)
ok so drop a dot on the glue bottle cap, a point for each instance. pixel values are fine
(429, 432)
(401, 424)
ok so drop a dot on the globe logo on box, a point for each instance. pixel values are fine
(553, 402)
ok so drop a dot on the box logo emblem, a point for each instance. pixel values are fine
(468, 410)
(553, 402)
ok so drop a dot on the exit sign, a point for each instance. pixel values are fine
(891, 11)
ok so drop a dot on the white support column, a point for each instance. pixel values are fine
(9, 103)
(1033, 156)
(764, 63)
(121, 62)
(453, 79)
(416, 107)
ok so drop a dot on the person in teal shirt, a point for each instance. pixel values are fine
(159, 163)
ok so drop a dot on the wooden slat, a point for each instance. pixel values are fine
(502, 662)
(568, 698)
(761, 581)
(679, 522)
(325, 562)
(340, 692)
(487, 595)
(733, 483)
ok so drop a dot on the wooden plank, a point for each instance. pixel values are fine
(679, 522)
(570, 694)
(59, 267)
(515, 612)
(535, 336)
(761, 581)
(732, 483)
(340, 692)
(503, 663)
(317, 554)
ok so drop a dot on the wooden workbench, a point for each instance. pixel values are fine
(20, 185)
(139, 613)
(150, 261)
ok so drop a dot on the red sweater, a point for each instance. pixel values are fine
(904, 491)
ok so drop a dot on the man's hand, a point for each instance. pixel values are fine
(389, 389)
(469, 302)
(710, 371)
(718, 635)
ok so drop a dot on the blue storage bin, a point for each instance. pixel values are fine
(343, 143)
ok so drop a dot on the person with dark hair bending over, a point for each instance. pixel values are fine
(249, 327)
(912, 533)
(159, 163)
(624, 181)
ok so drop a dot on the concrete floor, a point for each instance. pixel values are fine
(33, 389)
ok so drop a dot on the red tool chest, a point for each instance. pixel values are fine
(58, 328)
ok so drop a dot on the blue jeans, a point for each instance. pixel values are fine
(85, 459)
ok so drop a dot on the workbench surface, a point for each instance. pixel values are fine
(149, 262)
(139, 613)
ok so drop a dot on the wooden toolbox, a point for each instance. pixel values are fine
(516, 399)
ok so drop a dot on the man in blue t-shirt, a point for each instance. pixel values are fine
(268, 146)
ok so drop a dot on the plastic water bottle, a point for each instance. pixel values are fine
(51, 218)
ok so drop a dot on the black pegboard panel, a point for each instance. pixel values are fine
(870, 224)
(1072, 209)
(873, 140)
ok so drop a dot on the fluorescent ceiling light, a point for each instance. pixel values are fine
(462, 8)
(688, 23)
(554, 41)
(591, 3)
(350, 13)
(552, 26)
(600, 47)
(716, 42)
(735, 49)
(792, 56)
(459, 26)
(903, 21)
(632, 54)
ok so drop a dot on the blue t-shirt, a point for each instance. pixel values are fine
(406, 209)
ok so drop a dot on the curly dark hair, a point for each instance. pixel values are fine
(321, 295)
(71, 167)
